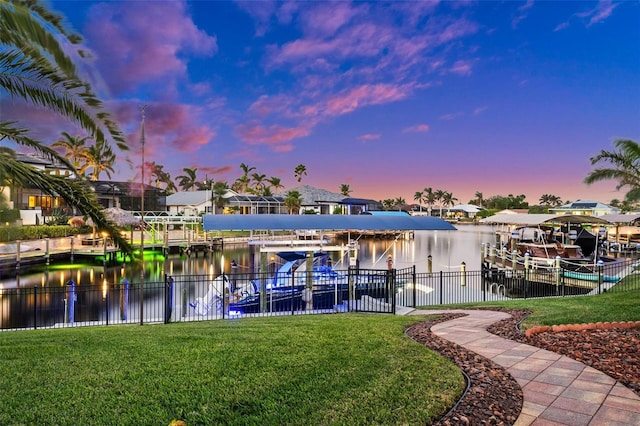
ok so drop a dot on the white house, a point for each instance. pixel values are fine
(585, 207)
(464, 210)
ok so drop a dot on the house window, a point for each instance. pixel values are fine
(33, 201)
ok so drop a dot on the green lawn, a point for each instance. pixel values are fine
(610, 306)
(324, 369)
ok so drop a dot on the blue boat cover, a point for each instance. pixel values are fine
(286, 222)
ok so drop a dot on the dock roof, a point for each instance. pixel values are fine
(285, 222)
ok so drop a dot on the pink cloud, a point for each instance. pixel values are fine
(365, 95)
(175, 126)
(602, 11)
(369, 137)
(480, 110)
(327, 18)
(461, 68)
(452, 116)
(277, 137)
(418, 128)
(561, 26)
(133, 49)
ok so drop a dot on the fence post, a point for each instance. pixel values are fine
(413, 274)
(527, 259)
(429, 264)
(463, 278)
(441, 287)
(557, 273)
(600, 279)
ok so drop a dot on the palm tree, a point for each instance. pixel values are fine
(258, 180)
(36, 69)
(479, 198)
(299, 171)
(438, 196)
(418, 197)
(99, 158)
(241, 184)
(399, 203)
(156, 170)
(188, 180)
(550, 200)
(622, 164)
(218, 192)
(345, 189)
(388, 203)
(274, 184)
(429, 199)
(448, 200)
(74, 146)
(293, 201)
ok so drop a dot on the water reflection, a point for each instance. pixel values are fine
(448, 250)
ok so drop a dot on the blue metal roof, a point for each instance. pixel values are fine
(285, 222)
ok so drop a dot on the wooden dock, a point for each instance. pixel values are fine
(95, 251)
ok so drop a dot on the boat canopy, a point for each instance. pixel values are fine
(524, 219)
(286, 222)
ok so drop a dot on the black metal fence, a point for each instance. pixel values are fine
(236, 295)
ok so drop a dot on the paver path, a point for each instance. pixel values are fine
(557, 390)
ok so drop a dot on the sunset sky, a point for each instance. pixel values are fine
(509, 97)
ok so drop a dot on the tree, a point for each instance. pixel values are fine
(157, 171)
(35, 69)
(479, 198)
(399, 203)
(439, 195)
(429, 198)
(621, 164)
(99, 158)
(218, 192)
(274, 184)
(75, 148)
(293, 201)
(242, 183)
(418, 196)
(188, 180)
(258, 183)
(550, 200)
(345, 189)
(299, 171)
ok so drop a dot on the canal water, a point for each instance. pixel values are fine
(448, 250)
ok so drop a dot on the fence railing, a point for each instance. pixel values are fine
(206, 297)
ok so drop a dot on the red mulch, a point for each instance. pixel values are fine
(493, 397)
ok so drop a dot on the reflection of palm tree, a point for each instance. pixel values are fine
(188, 180)
(36, 69)
(623, 166)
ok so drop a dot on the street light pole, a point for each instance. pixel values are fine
(141, 294)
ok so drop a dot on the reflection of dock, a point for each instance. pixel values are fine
(55, 250)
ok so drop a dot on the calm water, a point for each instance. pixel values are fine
(447, 248)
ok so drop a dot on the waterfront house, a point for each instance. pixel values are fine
(585, 207)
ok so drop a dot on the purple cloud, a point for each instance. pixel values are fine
(418, 128)
(132, 49)
(369, 137)
(461, 68)
(275, 136)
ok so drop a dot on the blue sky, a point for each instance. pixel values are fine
(503, 98)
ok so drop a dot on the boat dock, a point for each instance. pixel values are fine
(26, 254)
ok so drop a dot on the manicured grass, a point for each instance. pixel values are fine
(610, 306)
(323, 369)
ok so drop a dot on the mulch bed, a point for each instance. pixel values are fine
(493, 397)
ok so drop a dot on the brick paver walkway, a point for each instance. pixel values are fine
(557, 390)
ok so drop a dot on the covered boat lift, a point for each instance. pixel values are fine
(283, 222)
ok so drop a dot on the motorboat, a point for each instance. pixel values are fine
(291, 288)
